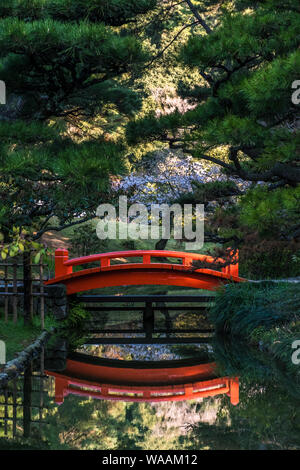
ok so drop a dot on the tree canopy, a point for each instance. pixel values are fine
(244, 119)
(63, 64)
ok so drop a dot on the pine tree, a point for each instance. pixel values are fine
(247, 110)
(63, 61)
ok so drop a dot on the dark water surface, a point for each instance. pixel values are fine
(216, 395)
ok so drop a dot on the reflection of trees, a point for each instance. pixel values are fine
(268, 415)
(104, 425)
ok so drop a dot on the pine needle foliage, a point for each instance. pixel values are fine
(64, 64)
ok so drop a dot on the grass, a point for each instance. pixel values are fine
(242, 308)
(265, 315)
(17, 336)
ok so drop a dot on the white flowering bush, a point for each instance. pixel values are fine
(167, 176)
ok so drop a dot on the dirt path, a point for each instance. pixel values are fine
(55, 240)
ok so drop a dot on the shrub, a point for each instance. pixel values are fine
(269, 259)
(240, 309)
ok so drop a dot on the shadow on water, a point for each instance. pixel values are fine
(267, 415)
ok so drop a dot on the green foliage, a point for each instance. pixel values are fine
(76, 317)
(113, 12)
(66, 65)
(244, 119)
(239, 309)
(269, 261)
(270, 213)
(84, 241)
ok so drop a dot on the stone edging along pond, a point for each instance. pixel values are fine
(16, 366)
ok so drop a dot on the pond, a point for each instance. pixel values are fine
(213, 395)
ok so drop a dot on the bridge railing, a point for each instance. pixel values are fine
(64, 265)
(185, 391)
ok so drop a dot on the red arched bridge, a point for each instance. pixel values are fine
(138, 381)
(114, 270)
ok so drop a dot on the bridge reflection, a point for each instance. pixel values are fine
(141, 381)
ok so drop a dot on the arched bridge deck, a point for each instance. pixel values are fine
(138, 381)
(113, 270)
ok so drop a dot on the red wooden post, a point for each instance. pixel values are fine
(61, 385)
(234, 391)
(232, 269)
(61, 256)
(146, 258)
(188, 261)
(188, 390)
(104, 262)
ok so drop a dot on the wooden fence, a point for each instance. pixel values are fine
(24, 403)
(22, 292)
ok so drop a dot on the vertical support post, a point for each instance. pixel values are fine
(148, 320)
(168, 320)
(6, 292)
(14, 407)
(147, 258)
(42, 291)
(104, 262)
(187, 261)
(232, 269)
(61, 256)
(15, 293)
(5, 412)
(31, 289)
(234, 391)
(27, 400)
(41, 404)
(188, 390)
(27, 283)
(60, 386)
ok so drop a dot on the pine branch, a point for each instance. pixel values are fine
(198, 17)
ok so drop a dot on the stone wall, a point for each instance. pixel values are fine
(56, 301)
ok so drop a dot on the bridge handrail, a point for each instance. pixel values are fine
(65, 385)
(64, 265)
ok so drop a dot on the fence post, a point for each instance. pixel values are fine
(42, 290)
(6, 292)
(15, 292)
(27, 283)
(27, 391)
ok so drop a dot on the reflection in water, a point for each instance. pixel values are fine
(127, 417)
(141, 381)
(24, 402)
